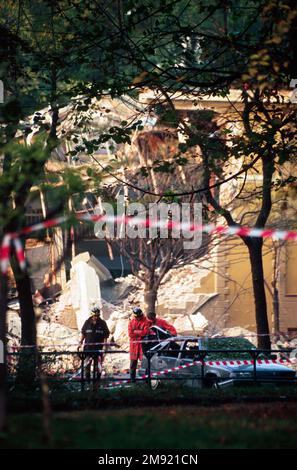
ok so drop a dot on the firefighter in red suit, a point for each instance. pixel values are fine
(137, 329)
(153, 320)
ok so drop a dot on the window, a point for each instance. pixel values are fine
(172, 349)
(190, 350)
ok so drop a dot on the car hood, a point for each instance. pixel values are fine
(260, 368)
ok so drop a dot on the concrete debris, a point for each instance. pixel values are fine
(293, 343)
(63, 310)
(121, 331)
(102, 272)
(57, 335)
(85, 291)
(67, 317)
(184, 282)
(48, 334)
(179, 303)
(191, 324)
(116, 362)
(14, 327)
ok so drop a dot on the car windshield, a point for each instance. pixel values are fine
(228, 343)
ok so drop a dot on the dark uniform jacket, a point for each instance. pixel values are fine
(94, 333)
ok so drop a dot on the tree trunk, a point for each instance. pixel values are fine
(256, 259)
(150, 299)
(276, 322)
(23, 285)
(3, 308)
(27, 359)
(275, 292)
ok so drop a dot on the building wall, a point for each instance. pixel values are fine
(288, 288)
(232, 281)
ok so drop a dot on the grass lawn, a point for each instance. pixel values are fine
(240, 425)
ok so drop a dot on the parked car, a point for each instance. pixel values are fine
(182, 350)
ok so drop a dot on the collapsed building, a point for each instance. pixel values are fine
(210, 292)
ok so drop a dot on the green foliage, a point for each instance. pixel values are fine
(26, 169)
(54, 53)
(228, 343)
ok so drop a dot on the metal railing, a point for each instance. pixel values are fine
(75, 366)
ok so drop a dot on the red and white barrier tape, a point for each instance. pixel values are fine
(246, 362)
(144, 222)
(236, 362)
(20, 253)
(5, 253)
(154, 374)
(15, 347)
(233, 363)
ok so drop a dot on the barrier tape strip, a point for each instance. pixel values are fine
(233, 363)
(153, 374)
(285, 361)
(18, 347)
(5, 253)
(144, 222)
(206, 363)
(20, 253)
(285, 336)
(76, 374)
(15, 348)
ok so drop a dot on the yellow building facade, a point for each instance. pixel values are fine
(230, 279)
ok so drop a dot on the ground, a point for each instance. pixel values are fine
(248, 425)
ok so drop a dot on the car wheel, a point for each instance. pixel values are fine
(155, 383)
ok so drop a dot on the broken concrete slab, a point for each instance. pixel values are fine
(85, 291)
(13, 321)
(67, 318)
(102, 272)
(191, 324)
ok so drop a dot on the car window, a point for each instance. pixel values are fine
(190, 350)
(172, 349)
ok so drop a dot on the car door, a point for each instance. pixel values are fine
(166, 358)
(188, 355)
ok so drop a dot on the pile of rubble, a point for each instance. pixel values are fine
(117, 314)
(279, 341)
(50, 334)
(59, 323)
(184, 282)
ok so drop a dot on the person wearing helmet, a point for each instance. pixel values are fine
(138, 328)
(162, 331)
(94, 334)
(154, 321)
